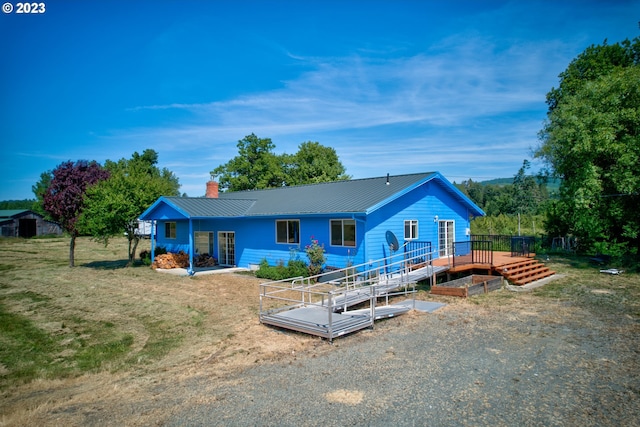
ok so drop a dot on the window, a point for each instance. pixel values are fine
(343, 232)
(170, 230)
(204, 242)
(288, 231)
(411, 229)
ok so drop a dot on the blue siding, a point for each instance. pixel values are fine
(166, 212)
(180, 243)
(422, 204)
(255, 238)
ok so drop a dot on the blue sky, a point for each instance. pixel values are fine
(394, 86)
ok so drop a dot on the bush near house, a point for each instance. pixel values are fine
(293, 268)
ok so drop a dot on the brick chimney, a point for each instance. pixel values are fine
(212, 190)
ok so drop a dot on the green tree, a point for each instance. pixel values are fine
(314, 163)
(39, 189)
(113, 206)
(595, 61)
(255, 167)
(491, 198)
(592, 141)
(17, 204)
(529, 192)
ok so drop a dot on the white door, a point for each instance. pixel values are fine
(227, 248)
(446, 233)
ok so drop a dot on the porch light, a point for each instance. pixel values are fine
(435, 218)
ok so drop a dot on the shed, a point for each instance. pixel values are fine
(26, 223)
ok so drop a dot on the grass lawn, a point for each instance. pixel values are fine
(61, 322)
(100, 324)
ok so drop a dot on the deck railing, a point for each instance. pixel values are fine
(517, 245)
(499, 242)
(399, 264)
(393, 272)
(523, 245)
(472, 252)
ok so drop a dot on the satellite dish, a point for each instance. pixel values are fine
(392, 240)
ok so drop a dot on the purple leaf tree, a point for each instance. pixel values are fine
(64, 198)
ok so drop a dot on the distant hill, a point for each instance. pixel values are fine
(553, 185)
(498, 181)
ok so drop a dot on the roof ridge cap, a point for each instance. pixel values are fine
(330, 182)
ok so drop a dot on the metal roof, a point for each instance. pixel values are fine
(10, 213)
(352, 197)
(202, 207)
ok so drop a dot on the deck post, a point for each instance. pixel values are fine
(191, 248)
(153, 240)
(260, 312)
(330, 311)
(372, 303)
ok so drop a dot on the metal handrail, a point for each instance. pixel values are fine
(372, 274)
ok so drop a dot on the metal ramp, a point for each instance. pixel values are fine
(384, 286)
(321, 322)
(321, 305)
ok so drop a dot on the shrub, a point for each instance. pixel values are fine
(315, 253)
(297, 268)
(294, 268)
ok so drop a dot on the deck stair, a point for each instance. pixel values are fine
(522, 272)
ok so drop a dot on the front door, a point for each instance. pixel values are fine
(227, 248)
(446, 233)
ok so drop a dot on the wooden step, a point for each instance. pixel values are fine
(532, 271)
(531, 279)
(523, 272)
(517, 265)
(520, 269)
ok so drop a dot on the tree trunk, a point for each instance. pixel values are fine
(133, 246)
(72, 249)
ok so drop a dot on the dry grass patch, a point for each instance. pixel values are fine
(79, 343)
(102, 329)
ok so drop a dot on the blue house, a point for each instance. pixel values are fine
(350, 218)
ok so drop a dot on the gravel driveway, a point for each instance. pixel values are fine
(549, 364)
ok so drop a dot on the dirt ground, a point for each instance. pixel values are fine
(228, 339)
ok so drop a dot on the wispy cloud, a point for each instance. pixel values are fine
(463, 94)
(412, 109)
(468, 105)
(458, 82)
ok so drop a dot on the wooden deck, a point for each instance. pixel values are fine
(519, 270)
(500, 259)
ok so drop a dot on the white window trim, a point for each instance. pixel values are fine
(411, 222)
(288, 221)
